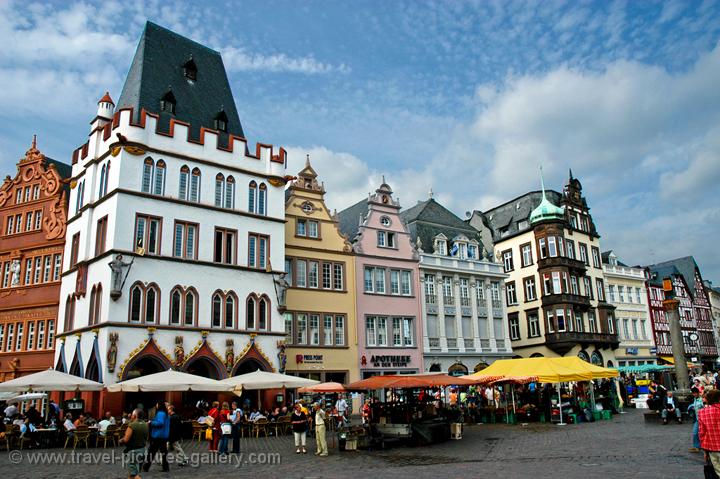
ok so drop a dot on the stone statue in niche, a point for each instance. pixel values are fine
(15, 270)
(282, 356)
(229, 355)
(118, 267)
(112, 351)
(281, 286)
(179, 351)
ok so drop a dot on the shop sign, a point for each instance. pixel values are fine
(633, 351)
(653, 350)
(308, 358)
(389, 361)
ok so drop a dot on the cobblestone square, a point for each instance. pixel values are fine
(624, 447)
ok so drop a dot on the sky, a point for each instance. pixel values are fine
(465, 98)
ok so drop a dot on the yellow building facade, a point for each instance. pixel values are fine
(320, 323)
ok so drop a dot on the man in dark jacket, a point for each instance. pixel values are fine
(175, 438)
(159, 434)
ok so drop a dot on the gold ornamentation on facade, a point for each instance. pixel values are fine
(135, 351)
(112, 351)
(179, 351)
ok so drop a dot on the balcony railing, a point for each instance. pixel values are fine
(434, 342)
(496, 304)
(485, 343)
(561, 343)
(551, 299)
(464, 301)
(500, 344)
(448, 301)
(573, 264)
(452, 343)
(430, 299)
(469, 343)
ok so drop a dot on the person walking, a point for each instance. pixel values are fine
(135, 438)
(225, 428)
(342, 406)
(236, 418)
(299, 421)
(175, 437)
(695, 407)
(320, 439)
(709, 429)
(159, 434)
(214, 424)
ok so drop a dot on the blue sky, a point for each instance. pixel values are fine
(466, 98)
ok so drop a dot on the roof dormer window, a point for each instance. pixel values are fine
(441, 247)
(168, 102)
(190, 70)
(221, 121)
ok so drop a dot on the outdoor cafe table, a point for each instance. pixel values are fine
(47, 437)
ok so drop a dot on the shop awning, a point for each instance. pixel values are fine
(547, 370)
(324, 388)
(410, 381)
(671, 360)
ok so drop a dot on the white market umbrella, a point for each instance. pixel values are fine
(169, 380)
(264, 380)
(50, 380)
(28, 397)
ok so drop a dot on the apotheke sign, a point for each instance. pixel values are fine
(388, 361)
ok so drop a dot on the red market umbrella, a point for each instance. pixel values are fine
(410, 381)
(321, 388)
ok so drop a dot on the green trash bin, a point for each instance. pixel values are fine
(597, 415)
(607, 414)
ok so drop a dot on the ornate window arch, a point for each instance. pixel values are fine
(219, 189)
(95, 305)
(176, 305)
(195, 185)
(191, 307)
(262, 199)
(159, 180)
(69, 313)
(184, 182)
(230, 192)
(147, 175)
(152, 303)
(216, 314)
(144, 303)
(250, 311)
(263, 315)
(183, 306)
(252, 197)
(230, 310)
(224, 310)
(103, 181)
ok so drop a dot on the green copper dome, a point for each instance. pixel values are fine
(546, 210)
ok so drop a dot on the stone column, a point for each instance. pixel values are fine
(458, 313)
(475, 316)
(423, 311)
(678, 345)
(490, 316)
(441, 311)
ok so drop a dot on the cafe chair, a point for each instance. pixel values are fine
(198, 430)
(260, 425)
(81, 435)
(110, 434)
(12, 432)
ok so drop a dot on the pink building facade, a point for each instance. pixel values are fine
(389, 318)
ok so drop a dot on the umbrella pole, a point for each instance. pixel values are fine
(512, 392)
(507, 413)
(561, 423)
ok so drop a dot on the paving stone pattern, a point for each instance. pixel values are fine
(625, 447)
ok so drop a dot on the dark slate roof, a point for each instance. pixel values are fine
(509, 214)
(158, 67)
(429, 218)
(349, 218)
(684, 266)
(63, 169)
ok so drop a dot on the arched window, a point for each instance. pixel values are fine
(262, 200)
(95, 305)
(147, 174)
(175, 306)
(190, 309)
(159, 184)
(230, 311)
(263, 309)
(252, 193)
(107, 178)
(69, 313)
(103, 180)
(136, 299)
(250, 313)
(230, 192)
(195, 185)
(151, 304)
(219, 186)
(184, 179)
(217, 310)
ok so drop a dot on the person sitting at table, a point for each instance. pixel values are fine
(254, 415)
(80, 421)
(274, 415)
(258, 415)
(33, 415)
(90, 421)
(69, 425)
(284, 411)
(110, 418)
(103, 425)
(11, 411)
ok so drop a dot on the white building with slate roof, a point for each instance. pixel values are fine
(168, 182)
(462, 298)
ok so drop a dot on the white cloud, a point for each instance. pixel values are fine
(238, 59)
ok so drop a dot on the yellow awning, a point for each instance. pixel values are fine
(548, 370)
(671, 360)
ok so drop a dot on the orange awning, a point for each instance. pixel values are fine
(410, 381)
